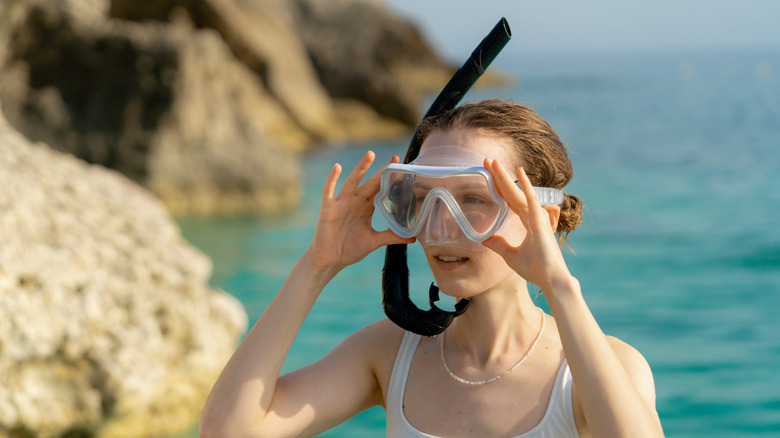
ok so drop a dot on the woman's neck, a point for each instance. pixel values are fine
(501, 320)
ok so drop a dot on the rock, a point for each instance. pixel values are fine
(261, 35)
(363, 51)
(168, 106)
(107, 324)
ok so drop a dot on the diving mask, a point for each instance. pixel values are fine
(445, 197)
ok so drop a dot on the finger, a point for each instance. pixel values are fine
(329, 189)
(353, 180)
(371, 186)
(538, 214)
(527, 186)
(387, 237)
(508, 189)
(499, 245)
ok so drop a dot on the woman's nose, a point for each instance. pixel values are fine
(441, 226)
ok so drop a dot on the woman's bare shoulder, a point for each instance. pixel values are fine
(377, 345)
(381, 334)
(380, 337)
(628, 355)
(636, 366)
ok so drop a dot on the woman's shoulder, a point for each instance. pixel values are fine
(629, 356)
(635, 365)
(381, 329)
(379, 340)
(376, 345)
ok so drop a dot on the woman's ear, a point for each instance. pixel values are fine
(554, 212)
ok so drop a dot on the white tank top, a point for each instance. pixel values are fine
(558, 421)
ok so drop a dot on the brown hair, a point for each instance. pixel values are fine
(538, 149)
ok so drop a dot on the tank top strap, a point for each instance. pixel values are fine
(397, 425)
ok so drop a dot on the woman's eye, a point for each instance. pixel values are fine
(473, 199)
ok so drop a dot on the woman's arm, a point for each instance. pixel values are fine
(249, 399)
(614, 387)
(613, 383)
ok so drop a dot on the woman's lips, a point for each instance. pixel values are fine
(450, 262)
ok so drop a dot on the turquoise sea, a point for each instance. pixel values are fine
(676, 157)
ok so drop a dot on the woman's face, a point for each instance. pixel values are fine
(462, 272)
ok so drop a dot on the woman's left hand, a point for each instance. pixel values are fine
(538, 259)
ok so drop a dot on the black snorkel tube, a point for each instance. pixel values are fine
(397, 305)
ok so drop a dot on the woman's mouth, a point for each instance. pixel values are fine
(450, 262)
(449, 259)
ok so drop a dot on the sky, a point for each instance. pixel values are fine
(455, 27)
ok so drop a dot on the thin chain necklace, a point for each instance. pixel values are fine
(493, 379)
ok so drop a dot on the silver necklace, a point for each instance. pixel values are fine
(493, 379)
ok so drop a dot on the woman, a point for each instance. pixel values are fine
(503, 368)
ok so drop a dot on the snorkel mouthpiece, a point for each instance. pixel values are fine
(397, 305)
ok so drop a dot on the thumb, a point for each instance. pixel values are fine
(498, 245)
(387, 237)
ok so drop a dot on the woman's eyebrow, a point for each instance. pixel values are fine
(461, 186)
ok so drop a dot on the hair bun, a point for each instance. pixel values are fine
(570, 218)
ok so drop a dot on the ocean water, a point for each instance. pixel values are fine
(676, 158)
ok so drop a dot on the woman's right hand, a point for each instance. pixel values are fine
(344, 234)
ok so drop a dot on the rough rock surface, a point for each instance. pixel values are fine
(107, 324)
(169, 107)
(363, 51)
(262, 37)
(208, 102)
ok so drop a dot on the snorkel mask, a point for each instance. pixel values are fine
(446, 198)
(397, 305)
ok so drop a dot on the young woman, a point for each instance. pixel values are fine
(501, 369)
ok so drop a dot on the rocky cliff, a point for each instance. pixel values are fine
(208, 102)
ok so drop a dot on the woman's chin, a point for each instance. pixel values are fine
(457, 289)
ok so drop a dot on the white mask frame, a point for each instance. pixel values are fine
(423, 219)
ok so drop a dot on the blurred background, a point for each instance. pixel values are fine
(222, 135)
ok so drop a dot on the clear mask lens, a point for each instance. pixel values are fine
(441, 205)
(441, 228)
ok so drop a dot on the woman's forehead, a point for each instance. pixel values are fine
(486, 143)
